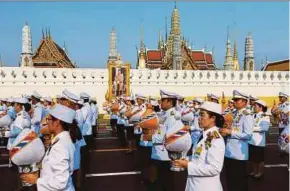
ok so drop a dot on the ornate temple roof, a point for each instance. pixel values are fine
(51, 55)
(281, 65)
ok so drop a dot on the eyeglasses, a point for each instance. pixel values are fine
(48, 119)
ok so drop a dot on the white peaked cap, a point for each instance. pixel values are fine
(84, 95)
(261, 102)
(63, 113)
(211, 106)
(70, 96)
(281, 94)
(179, 97)
(254, 98)
(21, 100)
(212, 96)
(139, 96)
(239, 95)
(81, 102)
(36, 95)
(165, 94)
(49, 99)
(199, 100)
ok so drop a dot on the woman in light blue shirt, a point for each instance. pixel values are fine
(258, 141)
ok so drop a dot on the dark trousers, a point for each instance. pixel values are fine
(280, 130)
(236, 174)
(163, 177)
(89, 139)
(94, 130)
(121, 134)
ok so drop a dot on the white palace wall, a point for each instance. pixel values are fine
(15, 81)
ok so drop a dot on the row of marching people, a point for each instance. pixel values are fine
(48, 140)
(186, 145)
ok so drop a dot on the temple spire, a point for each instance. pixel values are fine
(113, 52)
(235, 54)
(65, 48)
(142, 46)
(166, 36)
(1, 61)
(43, 36)
(228, 65)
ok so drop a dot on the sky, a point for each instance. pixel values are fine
(85, 28)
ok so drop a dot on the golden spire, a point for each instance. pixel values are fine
(107, 95)
(235, 55)
(175, 22)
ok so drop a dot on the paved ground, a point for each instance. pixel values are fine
(111, 169)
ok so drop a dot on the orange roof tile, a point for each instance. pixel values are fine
(154, 55)
(197, 55)
(208, 58)
(282, 65)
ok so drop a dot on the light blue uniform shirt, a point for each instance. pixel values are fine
(166, 119)
(79, 143)
(11, 112)
(261, 126)
(242, 129)
(38, 114)
(22, 121)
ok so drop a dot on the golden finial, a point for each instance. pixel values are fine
(107, 96)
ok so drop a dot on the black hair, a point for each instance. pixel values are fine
(173, 101)
(72, 128)
(219, 119)
(86, 100)
(27, 107)
(132, 102)
(156, 108)
(264, 108)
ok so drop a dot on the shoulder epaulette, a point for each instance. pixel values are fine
(216, 135)
(246, 112)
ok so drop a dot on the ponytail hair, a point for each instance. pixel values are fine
(219, 119)
(27, 107)
(73, 130)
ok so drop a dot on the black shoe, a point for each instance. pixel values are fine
(260, 177)
(130, 152)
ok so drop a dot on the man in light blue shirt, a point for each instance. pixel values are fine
(237, 148)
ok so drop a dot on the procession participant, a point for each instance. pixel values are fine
(113, 110)
(230, 108)
(130, 104)
(258, 141)
(47, 102)
(237, 149)
(87, 114)
(180, 103)
(38, 112)
(58, 162)
(282, 111)
(22, 121)
(78, 174)
(252, 100)
(135, 116)
(10, 109)
(195, 129)
(205, 166)
(214, 98)
(160, 158)
(5, 120)
(149, 124)
(95, 113)
(121, 123)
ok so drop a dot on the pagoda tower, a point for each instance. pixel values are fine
(249, 62)
(26, 55)
(228, 65)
